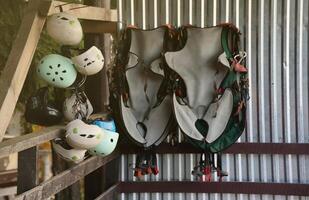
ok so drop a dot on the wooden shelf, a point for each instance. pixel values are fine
(79, 10)
(95, 20)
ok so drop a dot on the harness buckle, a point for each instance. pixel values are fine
(236, 63)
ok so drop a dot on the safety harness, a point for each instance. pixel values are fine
(146, 160)
(237, 82)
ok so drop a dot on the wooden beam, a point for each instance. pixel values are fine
(108, 173)
(59, 165)
(15, 71)
(110, 193)
(98, 27)
(8, 191)
(29, 140)
(27, 169)
(84, 12)
(237, 148)
(8, 178)
(93, 190)
(66, 178)
(215, 187)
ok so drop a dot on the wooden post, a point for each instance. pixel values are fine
(72, 192)
(106, 176)
(99, 81)
(27, 177)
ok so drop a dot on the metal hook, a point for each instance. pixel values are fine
(239, 58)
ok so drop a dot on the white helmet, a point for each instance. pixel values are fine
(67, 152)
(77, 106)
(83, 136)
(89, 62)
(65, 28)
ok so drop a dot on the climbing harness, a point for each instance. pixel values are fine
(209, 97)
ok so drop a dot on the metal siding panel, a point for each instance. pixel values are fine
(138, 13)
(214, 196)
(302, 83)
(131, 12)
(288, 84)
(190, 196)
(173, 10)
(275, 35)
(264, 86)
(149, 14)
(120, 13)
(279, 197)
(229, 166)
(254, 197)
(167, 172)
(179, 163)
(267, 197)
(276, 89)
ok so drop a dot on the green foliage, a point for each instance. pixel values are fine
(10, 19)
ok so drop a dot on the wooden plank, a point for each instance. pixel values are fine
(66, 178)
(29, 140)
(108, 59)
(111, 193)
(108, 173)
(215, 187)
(8, 177)
(8, 191)
(96, 28)
(99, 27)
(111, 174)
(94, 190)
(237, 148)
(85, 12)
(15, 71)
(60, 165)
(27, 169)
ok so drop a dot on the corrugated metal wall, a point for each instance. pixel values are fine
(275, 36)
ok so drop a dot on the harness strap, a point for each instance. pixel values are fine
(225, 45)
(227, 28)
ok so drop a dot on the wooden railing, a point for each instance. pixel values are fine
(26, 146)
(94, 20)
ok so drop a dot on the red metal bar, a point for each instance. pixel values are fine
(237, 148)
(215, 187)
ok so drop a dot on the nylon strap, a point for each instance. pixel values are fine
(224, 42)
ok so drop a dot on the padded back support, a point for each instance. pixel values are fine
(145, 123)
(146, 47)
(197, 64)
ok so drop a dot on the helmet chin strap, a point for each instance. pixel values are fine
(79, 84)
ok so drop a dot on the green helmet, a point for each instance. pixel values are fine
(57, 70)
(107, 144)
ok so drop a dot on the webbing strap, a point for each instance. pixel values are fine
(225, 44)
